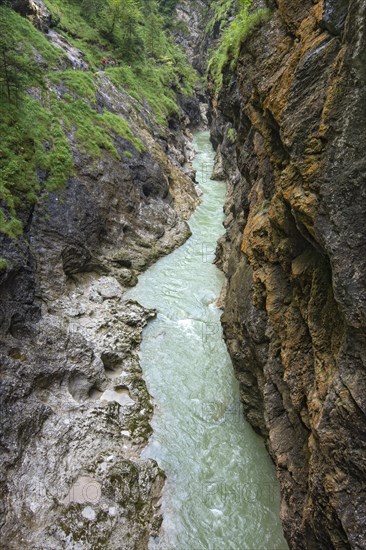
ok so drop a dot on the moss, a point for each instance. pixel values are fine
(60, 159)
(33, 139)
(231, 41)
(151, 78)
(67, 16)
(154, 86)
(3, 264)
(80, 118)
(79, 82)
(121, 127)
(221, 10)
(35, 151)
(231, 135)
(30, 41)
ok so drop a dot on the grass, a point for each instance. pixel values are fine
(154, 86)
(67, 17)
(156, 82)
(33, 140)
(94, 131)
(231, 41)
(79, 82)
(120, 126)
(35, 129)
(30, 40)
(35, 150)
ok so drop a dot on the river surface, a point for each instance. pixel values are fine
(221, 492)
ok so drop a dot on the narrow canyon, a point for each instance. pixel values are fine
(114, 414)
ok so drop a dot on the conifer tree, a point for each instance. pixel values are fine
(16, 68)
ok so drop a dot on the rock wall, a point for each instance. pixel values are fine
(289, 126)
(191, 34)
(75, 410)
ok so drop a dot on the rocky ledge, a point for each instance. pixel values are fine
(75, 409)
(289, 128)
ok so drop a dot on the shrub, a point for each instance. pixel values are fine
(231, 41)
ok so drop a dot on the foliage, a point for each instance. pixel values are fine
(221, 10)
(3, 264)
(28, 41)
(67, 16)
(149, 62)
(157, 83)
(18, 68)
(77, 109)
(231, 135)
(45, 107)
(32, 140)
(231, 41)
(168, 6)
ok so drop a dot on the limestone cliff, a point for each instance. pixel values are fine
(74, 408)
(289, 126)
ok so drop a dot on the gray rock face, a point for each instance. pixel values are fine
(334, 15)
(294, 258)
(75, 418)
(190, 36)
(191, 33)
(75, 409)
(35, 10)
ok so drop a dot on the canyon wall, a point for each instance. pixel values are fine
(75, 410)
(289, 126)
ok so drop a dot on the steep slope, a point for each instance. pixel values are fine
(289, 125)
(99, 200)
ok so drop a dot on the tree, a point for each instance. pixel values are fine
(91, 9)
(120, 17)
(16, 68)
(154, 35)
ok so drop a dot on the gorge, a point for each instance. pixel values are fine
(220, 482)
(97, 184)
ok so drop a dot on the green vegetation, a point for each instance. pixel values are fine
(231, 135)
(232, 38)
(33, 139)
(43, 104)
(159, 86)
(3, 264)
(221, 10)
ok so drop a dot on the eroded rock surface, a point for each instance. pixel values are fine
(289, 128)
(75, 409)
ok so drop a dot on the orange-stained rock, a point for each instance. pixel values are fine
(294, 255)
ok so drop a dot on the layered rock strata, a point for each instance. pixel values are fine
(289, 127)
(75, 410)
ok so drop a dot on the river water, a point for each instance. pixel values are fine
(221, 492)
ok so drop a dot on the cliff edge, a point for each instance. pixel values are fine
(289, 125)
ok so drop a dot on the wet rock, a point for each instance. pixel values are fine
(334, 15)
(79, 393)
(294, 299)
(75, 410)
(73, 54)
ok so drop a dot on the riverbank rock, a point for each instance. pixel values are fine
(74, 407)
(294, 257)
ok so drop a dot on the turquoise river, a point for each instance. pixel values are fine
(221, 491)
